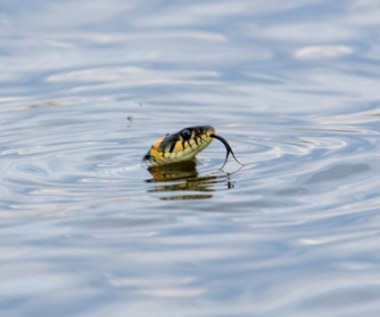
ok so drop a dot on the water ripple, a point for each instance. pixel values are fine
(87, 228)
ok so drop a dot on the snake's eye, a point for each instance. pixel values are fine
(186, 134)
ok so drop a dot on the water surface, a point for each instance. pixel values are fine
(87, 230)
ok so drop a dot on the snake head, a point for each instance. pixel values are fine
(183, 146)
(180, 146)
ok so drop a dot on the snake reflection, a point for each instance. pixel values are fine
(183, 181)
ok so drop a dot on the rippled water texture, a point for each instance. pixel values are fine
(87, 87)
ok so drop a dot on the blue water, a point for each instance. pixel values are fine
(87, 87)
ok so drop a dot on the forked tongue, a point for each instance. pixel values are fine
(228, 148)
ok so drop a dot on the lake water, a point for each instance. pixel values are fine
(87, 87)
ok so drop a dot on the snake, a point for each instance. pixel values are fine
(184, 145)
